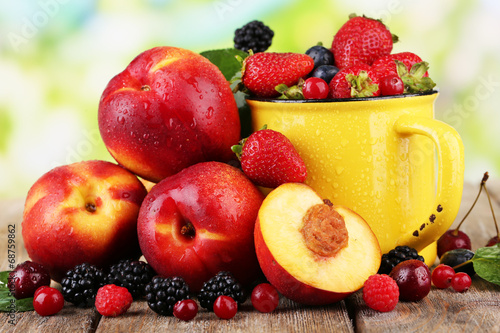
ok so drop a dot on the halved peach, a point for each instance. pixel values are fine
(313, 252)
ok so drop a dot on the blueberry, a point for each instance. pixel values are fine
(321, 56)
(325, 72)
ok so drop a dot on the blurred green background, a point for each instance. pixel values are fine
(58, 55)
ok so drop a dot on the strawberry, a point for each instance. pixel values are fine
(269, 159)
(361, 40)
(386, 65)
(263, 71)
(409, 67)
(354, 81)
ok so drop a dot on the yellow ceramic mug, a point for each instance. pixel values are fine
(377, 156)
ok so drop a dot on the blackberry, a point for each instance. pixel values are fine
(131, 274)
(163, 293)
(221, 284)
(80, 285)
(255, 36)
(397, 255)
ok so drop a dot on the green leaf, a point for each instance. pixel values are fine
(486, 263)
(225, 60)
(4, 278)
(10, 304)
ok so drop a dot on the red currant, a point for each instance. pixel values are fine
(265, 297)
(461, 282)
(48, 301)
(442, 275)
(391, 85)
(225, 307)
(185, 309)
(315, 88)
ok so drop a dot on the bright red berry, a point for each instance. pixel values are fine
(269, 159)
(112, 300)
(461, 282)
(225, 307)
(48, 301)
(442, 275)
(354, 81)
(391, 85)
(361, 40)
(315, 88)
(381, 293)
(185, 309)
(265, 297)
(263, 71)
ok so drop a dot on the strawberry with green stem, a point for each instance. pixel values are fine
(354, 81)
(269, 159)
(262, 72)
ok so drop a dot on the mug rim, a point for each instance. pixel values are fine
(329, 100)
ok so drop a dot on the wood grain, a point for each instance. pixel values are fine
(477, 310)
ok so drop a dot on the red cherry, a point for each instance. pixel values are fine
(451, 240)
(185, 309)
(48, 301)
(315, 88)
(413, 279)
(25, 279)
(391, 85)
(461, 282)
(442, 275)
(493, 241)
(265, 297)
(225, 307)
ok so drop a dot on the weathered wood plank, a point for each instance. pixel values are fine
(288, 317)
(442, 310)
(477, 310)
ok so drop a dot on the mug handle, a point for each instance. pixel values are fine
(450, 154)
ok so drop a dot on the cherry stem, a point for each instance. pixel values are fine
(492, 211)
(483, 182)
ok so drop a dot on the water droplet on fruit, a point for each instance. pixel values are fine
(201, 96)
(193, 124)
(344, 142)
(210, 112)
(156, 143)
(339, 170)
(120, 120)
(146, 136)
(125, 195)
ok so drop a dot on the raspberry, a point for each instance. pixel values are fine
(112, 300)
(381, 293)
(255, 36)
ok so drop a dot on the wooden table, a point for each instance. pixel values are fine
(477, 310)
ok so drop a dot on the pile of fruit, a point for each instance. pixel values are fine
(185, 193)
(359, 63)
